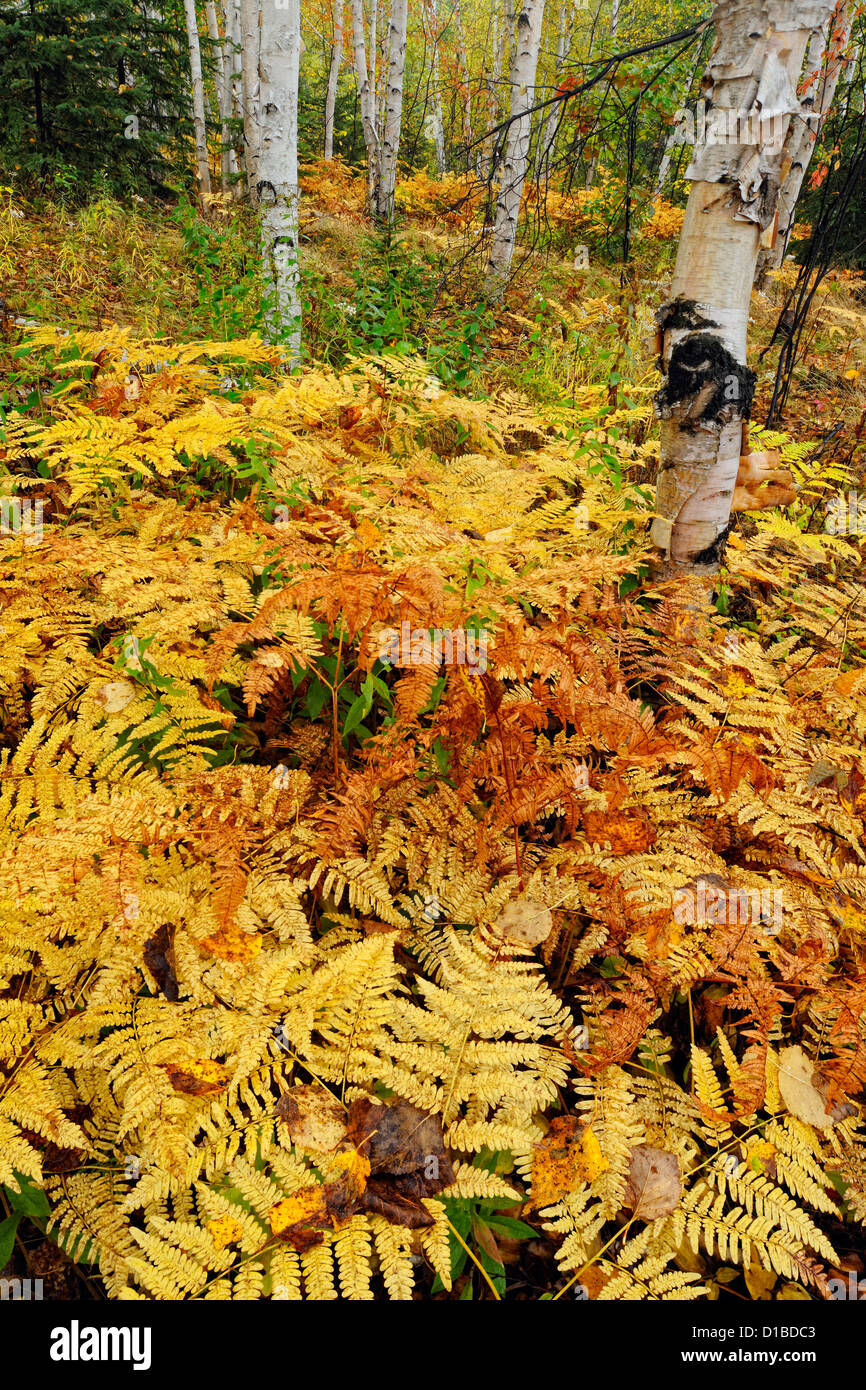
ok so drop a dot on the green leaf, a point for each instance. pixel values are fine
(7, 1237)
(30, 1201)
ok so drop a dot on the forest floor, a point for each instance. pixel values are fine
(253, 850)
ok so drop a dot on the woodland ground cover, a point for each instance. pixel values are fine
(590, 920)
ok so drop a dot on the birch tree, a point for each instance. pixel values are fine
(825, 60)
(198, 116)
(333, 79)
(563, 43)
(517, 140)
(366, 102)
(250, 39)
(222, 82)
(393, 108)
(277, 168)
(437, 123)
(706, 398)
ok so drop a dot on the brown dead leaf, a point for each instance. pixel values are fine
(314, 1119)
(654, 1184)
(626, 832)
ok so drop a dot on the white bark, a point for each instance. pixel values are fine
(250, 40)
(614, 18)
(333, 79)
(198, 118)
(825, 61)
(277, 168)
(393, 108)
(366, 103)
(753, 71)
(436, 121)
(519, 134)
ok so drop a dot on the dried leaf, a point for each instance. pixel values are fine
(654, 1184)
(524, 922)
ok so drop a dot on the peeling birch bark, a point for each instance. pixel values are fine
(277, 169)
(516, 158)
(198, 117)
(825, 60)
(736, 174)
(393, 108)
(333, 79)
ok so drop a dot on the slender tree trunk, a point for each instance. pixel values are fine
(223, 80)
(250, 40)
(516, 160)
(614, 19)
(463, 68)
(500, 28)
(393, 108)
(333, 79)
(277, 164)
(198, 117)
(437, 122)
(825, 61)
(753, 71)
(563, 43)
(365, 102)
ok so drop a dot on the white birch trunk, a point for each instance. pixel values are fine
(198, 117)
(519, 134)
(707, 395)
(333, 79)
(393, 108)
(436, 120)
(614, 19)
(250, 40)
(277, 164)
(825, 61)
(366, 103)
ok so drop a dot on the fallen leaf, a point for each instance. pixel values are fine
(654, 1184)
(225, 1231)
(804, 1090)
(199, 1078)
(315, 1120)
(524, 922)
(760, 1282)
(568, 1156)
(630, 833)
(114, 696)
